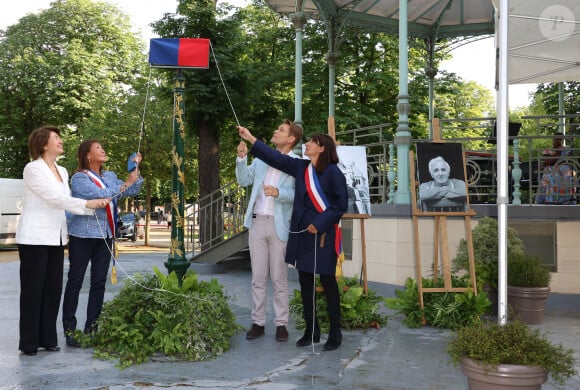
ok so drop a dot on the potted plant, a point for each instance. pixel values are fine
(528, 287)
(485, 253)
(495, 356)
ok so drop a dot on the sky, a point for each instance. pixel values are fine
(474, 61)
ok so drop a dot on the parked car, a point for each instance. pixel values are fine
(11, 199)
(127, 226)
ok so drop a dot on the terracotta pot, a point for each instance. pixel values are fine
(528, 302)
(504, 377)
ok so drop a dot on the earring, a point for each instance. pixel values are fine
(89, 160)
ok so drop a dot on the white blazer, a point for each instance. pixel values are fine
(43, 220)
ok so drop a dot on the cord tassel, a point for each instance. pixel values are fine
(114, 269)
(114, 274)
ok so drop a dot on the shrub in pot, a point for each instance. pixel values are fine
(528, 287)
(493, 354)
(485, 253)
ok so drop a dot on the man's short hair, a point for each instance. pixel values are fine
(294, 131)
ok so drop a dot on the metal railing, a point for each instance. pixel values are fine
(223, 211)
(477, 135)
(215, 217)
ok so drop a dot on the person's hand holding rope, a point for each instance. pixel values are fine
(97, 203)
(242, 149)
(246, 135)
(134, 175)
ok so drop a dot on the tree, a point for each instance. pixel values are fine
(207, 106)
(57, 65)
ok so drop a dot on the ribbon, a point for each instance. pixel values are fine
(111, 218)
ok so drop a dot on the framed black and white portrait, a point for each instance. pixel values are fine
(441, 176)
(352, 161)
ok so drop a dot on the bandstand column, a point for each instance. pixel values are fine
(403, 135)
(177, 261)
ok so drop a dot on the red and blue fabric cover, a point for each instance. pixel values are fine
(179, 53)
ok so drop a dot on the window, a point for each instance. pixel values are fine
(539, 239)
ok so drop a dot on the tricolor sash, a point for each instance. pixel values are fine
(321, 203)
(111, 207)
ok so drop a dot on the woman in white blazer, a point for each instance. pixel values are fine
(41, 235)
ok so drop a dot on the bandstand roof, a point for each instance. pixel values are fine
(438, 18)
(544, 37)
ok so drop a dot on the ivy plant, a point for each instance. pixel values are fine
(358, 310)
(154, 314)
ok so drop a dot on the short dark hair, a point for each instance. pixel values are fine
(38, 140)
(329, 156)
(82, 151)
(294, 130)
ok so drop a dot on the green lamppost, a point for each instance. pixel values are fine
(177, 261)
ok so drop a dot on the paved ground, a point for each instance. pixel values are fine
(392, 358)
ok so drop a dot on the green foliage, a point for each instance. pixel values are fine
(357, 309)
(527, 271)
(490, 344)
(56, 65)
(450, 310)
(155, 314)
(485, 251)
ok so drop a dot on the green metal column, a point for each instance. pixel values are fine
(331, 58)
(431, 72)
(403, 135)
(298, 20)
(177, 261)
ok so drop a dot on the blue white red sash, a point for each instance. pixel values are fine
(111, 207)
(321, 203)
(314, 190)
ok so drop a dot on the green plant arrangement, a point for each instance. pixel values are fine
(449, 310)
(527, 271)
(358, 310)
(515, 343)
(485, 251)
(156, 315)
(528, 287)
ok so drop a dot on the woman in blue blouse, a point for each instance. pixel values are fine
(320, 200)
(91, 237)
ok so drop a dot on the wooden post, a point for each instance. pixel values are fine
(362, 218)
(331, 128)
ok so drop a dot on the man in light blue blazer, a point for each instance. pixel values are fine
(268, 220)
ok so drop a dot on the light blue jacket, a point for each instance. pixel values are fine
(254, 175)
(96, 226)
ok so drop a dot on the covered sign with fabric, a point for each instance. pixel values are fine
(179, 53)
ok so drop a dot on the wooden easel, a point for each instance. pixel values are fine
(440, 242)
(362, 218)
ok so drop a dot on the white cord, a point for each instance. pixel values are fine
(224, 85)
(142, 128)
(116, 260)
